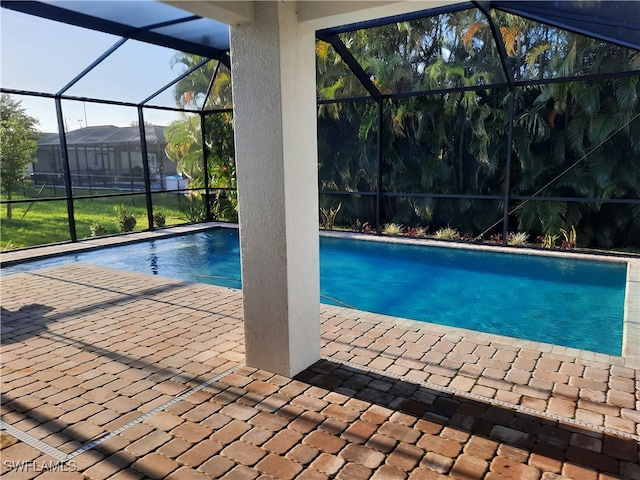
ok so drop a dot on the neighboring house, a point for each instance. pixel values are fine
(104, 157)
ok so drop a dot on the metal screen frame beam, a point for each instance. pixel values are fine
(205, 164)
(541, 15)
(175, 80)
(380, 145)
(404, 17)
(508, 174)
(353, 64)
(64, 157)
(60, 14)
(145, 167)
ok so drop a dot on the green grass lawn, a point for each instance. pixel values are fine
(47, 222)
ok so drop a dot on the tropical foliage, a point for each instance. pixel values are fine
(206, 88)
(575, 144)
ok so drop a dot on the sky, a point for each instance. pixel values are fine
(44, 56)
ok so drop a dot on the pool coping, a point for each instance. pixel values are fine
(631, 320)
(13, 257)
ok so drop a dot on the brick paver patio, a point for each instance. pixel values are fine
(129, 376)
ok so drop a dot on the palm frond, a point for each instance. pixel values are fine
(588, 97)
(551, 215)
(322, 51)
(601, 126)
(510, 37)
(575, 133)
(467, 38)
(626, 90)
(532, 56)
(635, 211)
(568, 66)
(527, 214)
(601, 168)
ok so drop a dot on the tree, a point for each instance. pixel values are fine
(452, 142)
(446, 143)
(184, 146)
(198, 92)
(136, 123)
(18, 144)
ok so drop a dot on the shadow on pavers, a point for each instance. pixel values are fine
(529, 434)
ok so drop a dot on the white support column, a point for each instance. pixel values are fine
(273, 77)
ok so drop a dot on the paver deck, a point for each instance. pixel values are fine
(128, 376)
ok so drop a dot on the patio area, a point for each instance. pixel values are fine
(127, 376)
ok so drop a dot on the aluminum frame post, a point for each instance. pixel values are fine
(507, 188)
(379, 144)
(145, 167)
(205, 166)
(64, 157)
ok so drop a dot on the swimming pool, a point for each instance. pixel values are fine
(575, 303)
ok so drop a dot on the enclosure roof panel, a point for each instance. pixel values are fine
(145, 20)
(157, 23)
(169, 26)
(614, 21)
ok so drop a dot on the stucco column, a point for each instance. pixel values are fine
(273, 77)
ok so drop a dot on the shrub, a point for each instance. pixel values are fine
(196, 208)
(517, 239)
(328, 216)
(496, 237)
(447, 233)
(359, 226)
(126, 221)
(570, 238)
(419, 232)
(547, 240)
(466, 236)
(97, 228)
(224, 207)
(392, 229)
(159, 219)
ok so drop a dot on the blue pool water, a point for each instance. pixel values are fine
(575, 303)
